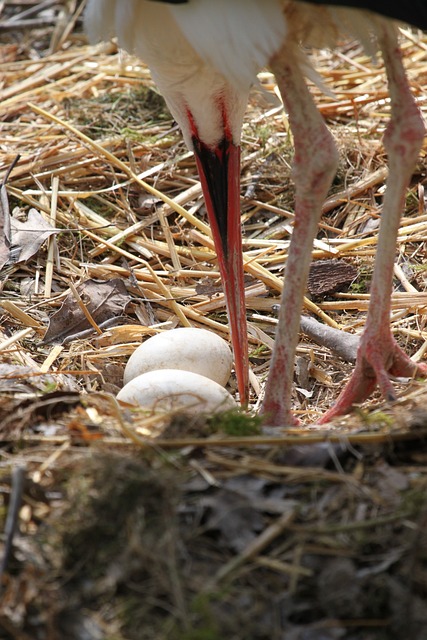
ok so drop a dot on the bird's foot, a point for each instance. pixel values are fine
(275, 414)
(378, 359)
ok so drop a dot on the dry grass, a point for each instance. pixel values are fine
(102, 160)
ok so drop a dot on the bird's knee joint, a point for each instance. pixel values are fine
(316, 171)
(405, 134)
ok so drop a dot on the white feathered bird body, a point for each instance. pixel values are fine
(204, 53)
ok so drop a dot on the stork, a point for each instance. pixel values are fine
(204, 55)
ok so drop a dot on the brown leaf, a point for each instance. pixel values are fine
(206, 288)
(103, 299)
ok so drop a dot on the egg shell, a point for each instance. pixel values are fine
(189, 349)
(172, 389)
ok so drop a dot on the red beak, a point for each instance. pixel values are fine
(219, 171)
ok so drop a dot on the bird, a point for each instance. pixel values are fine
(204, 57)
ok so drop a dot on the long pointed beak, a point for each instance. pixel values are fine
(219, 171)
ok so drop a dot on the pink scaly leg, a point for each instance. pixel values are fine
(379, 356)
(315, 165)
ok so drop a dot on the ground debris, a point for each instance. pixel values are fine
(98, 303)
(148, 547)
(328, 276)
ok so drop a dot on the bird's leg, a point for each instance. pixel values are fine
(378, 355)
(315, 165)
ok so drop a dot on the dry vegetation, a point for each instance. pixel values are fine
(124, 526)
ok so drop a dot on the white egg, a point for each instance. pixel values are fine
(189, 349)
(172, 389)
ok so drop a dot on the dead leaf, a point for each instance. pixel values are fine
(231, 512)
(27, 237)
(104, 300)
(4, 224)
(205, 288)
(391, 482)
(17, 379)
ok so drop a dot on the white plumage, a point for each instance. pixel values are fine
(204, 55)
(202, 49)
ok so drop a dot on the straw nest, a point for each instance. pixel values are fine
(110, 245)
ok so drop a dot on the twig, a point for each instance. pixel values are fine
(253, 548)
(51, 243)
(18, 479)
(343, 344)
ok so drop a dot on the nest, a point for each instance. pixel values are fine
(131, 525)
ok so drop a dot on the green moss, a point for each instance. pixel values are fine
(236, 423)
(412, 202)
(203, 620)
(258, 351)
(414, 503)
(362, 284)
(419, 268)
(49, 387)
(374, 418)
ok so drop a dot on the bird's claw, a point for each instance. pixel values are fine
(376, 363)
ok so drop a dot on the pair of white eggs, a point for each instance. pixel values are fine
(180, 369)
